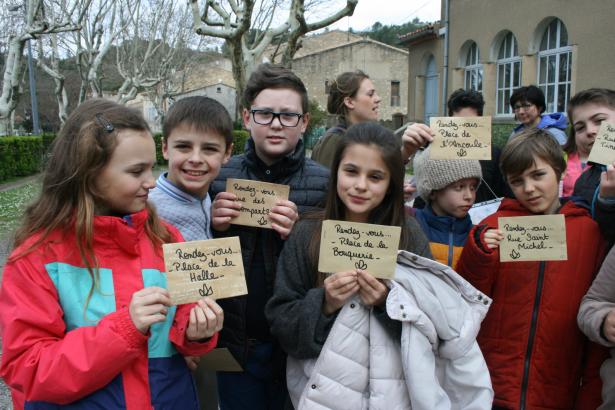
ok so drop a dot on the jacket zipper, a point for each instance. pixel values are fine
(207, 218)
(530, 342)
(450, 248)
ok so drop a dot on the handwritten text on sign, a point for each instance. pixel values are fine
(211, 268)
(348, 245)
(257, 199)
(533, 238)
(461, 138)
(603, 151)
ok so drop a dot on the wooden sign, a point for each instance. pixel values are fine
(349, 245)
(533, 238)
(461, 138)
(603, 150)
(211, 268)
(257, 199)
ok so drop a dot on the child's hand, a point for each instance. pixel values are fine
(607, 182)
(224, 208)
(283, 217)
(148, 306)
(206, 318)
(372, 291)
(608, 327)
(338, 288)
(192, 362)
(493, 237)
(416, 136)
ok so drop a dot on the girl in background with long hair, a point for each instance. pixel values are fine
(353, 99)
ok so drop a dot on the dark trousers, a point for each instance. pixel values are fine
(256, 388)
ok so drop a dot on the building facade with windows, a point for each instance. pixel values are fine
(495, 46)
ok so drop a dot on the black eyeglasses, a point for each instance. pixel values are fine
(525, 106)
(266, 117)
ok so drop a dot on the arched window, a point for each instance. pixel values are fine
(473, 70)
(554, 62)
(508, 73)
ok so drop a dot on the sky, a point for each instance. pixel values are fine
(388, 12)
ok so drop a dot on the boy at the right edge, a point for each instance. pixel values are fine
(536, 355)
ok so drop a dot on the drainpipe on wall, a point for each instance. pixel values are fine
(445, 57)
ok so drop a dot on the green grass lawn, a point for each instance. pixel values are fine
(13, 203)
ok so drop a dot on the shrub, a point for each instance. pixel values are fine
(239, 141)
(20, 156)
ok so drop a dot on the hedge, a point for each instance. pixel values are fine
(20, 156)
(23, 156)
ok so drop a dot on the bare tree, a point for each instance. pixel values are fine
(49, 55)
(101, 28)
(36, 23)
(248, 26)
(154, 44)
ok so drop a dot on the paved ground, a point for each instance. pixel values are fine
(5, 397)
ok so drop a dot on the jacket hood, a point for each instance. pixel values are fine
(554, 120)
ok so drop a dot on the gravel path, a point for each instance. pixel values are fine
(5, 396)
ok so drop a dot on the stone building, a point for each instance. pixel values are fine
(496, 46)
(324, 56)
(214, 80)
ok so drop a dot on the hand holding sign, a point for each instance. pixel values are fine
(533, 238)
(206, 319)
(204, 268)
(461, 138)
(257, 200)
(348, 245)
(339, 287)
(603, 150)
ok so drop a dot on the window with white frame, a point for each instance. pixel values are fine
(473, 71)
(554, 64)
(508, 75)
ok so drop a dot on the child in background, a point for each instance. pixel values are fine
(276, 114)
(448, 188)
(461, 103)
(587, 110)
(86, 319)
(197, 139)
(339, 358)
(537, 356)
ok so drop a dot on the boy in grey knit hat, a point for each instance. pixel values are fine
(448, 188)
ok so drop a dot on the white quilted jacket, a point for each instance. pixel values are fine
(438, 364)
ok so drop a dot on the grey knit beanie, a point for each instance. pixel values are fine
(434, 174)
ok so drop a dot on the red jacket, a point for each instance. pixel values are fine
(537, 356)
(55, 351)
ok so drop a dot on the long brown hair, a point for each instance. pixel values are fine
(68, 198)
(391, 209)
(345, 85)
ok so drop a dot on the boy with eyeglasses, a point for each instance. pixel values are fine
(276, 115)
